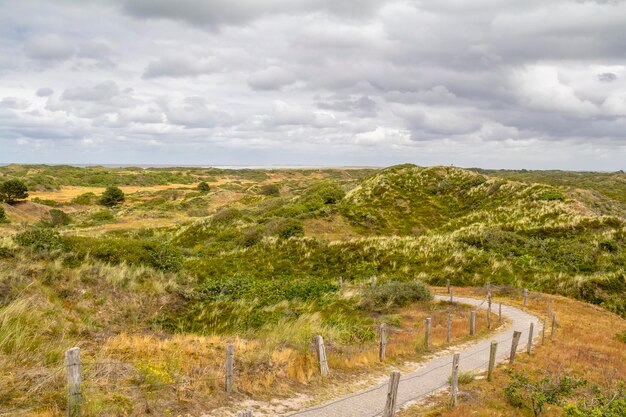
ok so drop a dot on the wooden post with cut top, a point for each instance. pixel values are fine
(530, 338)
(427, 335)
(74, 379)
(448, 285)
(553, 324)
(514, 343)
(383, 342)
(392, 395)
(320, 349)
(230, 359)
(451, 295)
(454, 379)
(525, 297)
(492, 359)
(472, 329)
(489, 311)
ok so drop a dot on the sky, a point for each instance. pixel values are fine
(482, 83)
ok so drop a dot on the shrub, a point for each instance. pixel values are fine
(58, 217)
(322, 193)
(270, 190)
(621, 336)
(85, 199)
(39, 238)
(102, 216)
(13, 190)
(551, 195)
(203, 187)
(395, 294)
(599, 406)
(3, 216)
(535, 394)
(112, 196)
(291, 228)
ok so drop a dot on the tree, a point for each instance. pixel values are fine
(112, 196)
(204, 187)
(13, 190)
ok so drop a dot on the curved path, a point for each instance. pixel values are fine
(432, 375)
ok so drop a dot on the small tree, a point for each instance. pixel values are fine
(203, 187)
(112, 196)
(13, 190)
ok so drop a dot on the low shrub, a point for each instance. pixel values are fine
(85, 199)
(57, 217)
(395, 294)
(270, 190)
(39, 238)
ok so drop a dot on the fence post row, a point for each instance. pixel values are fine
(392, 395)
(454, 379)
(74, 379)
(230, 358)
(472, 330)
(530, 338)
(514, 343)
(383, 342)
(492, 359)
(427, 334)
(320, 349)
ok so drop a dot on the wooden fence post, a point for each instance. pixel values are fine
(448, 285)
(531, 330)
(514, 343)
(550, 307)
(320, 349)
(451, 295)
(525, 297)
(383, 342)
(246, 413)
(543, 331)
(74, 379)
(472, 329)
(449, 334)
(553, 324)
(392, 395)
(454, 379)
(230, 358)
(427, 334)
(489, 311)
(492, 359)
(500, 313)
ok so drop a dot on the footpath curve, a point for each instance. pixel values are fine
(432, 375)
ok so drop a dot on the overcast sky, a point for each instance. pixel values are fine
(483, 83)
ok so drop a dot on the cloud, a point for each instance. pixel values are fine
(13, 103)
(44, 92)
(362, 106)
(607, 77)
(50, 47)
(100, 92)
(178, 66)
(270, 78)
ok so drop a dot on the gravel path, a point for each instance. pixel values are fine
(432, 375)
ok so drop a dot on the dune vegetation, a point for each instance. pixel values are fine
(153, 286)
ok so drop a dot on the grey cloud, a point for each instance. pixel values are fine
(607, 77)
(44, 92)
(177, 66)
(362, 106)
(13, 103)
(271, 78)
(50, 47)
(100, 92)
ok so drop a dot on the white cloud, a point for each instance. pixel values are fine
(271, 78)
(50, 47)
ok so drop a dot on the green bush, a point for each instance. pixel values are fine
(112, 196)
(58, 217)
(39, 238)
(621, 336)
(395, 294)
(13, 190)
(599, 406)
(203, 187)
(102, 216)
(85, 199)
(3, 216)
(270, 190)
(551, 195)
(291, 228)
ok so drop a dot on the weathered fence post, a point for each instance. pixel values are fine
(553, 325)
(514, 343)
(449, 333)
(427, 334)
(392, 395)
(230, 358)
(492, 359)
(489, 311)
(530, 338)
(448, 285)
(454, 379)
(451, 295)
(320, 349)
(383, 342)
(500, 312)
(525, 297)
(550, 307)
(74, 379)
(472, 329)
(246, 413)
(543, 331)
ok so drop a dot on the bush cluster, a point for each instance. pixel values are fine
(395, 294)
